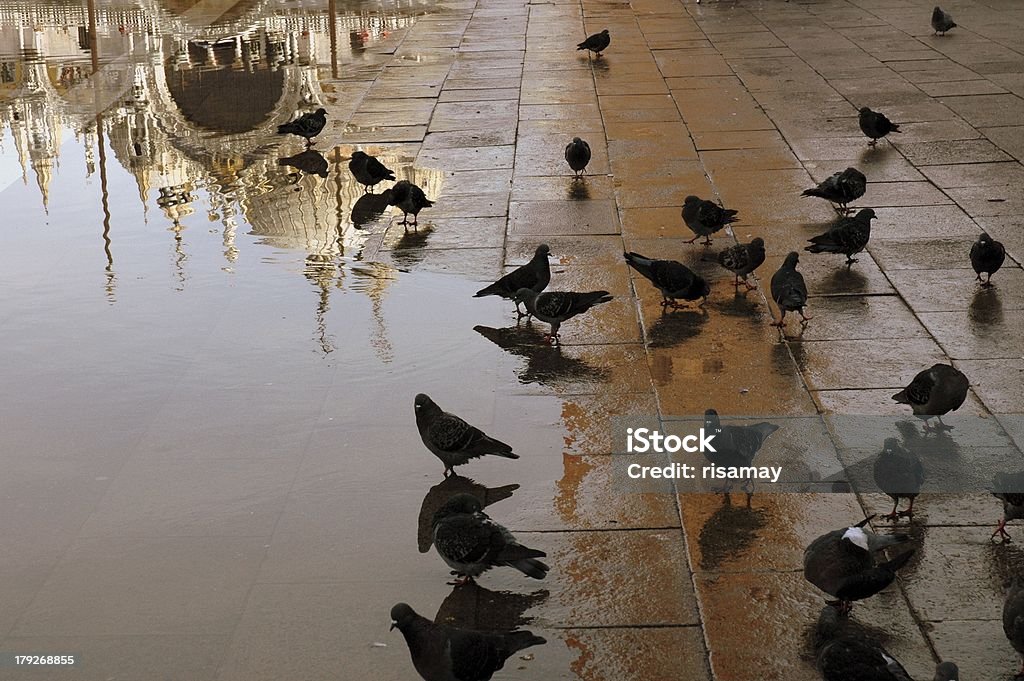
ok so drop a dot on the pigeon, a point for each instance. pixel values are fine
(845, 654)
(987, 257)
(554, 307)
(1008, 488)
(534, 275)
(704, 218)
(453, 440)
(409, 198)
(842, 563)
(899, 474)
(310, 161)
(840, 188)
(577, 155)
(308, 125)
(445, 490)
(789, 290)
(934, 392)
(596, 43)
(471, 543)
(1013, 619)
(444, 653)
(735, 446)
(942, 21)
(847, 236)
(742, 260)
(368, 171)
(674, 279)
(875, 125)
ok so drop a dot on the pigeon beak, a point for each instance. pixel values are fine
(393, 625)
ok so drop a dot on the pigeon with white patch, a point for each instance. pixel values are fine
(555, 307)
(368, 171)
(875, 125)
(471, 543)
(942, 21)
(742, 260)
(453, 440)
(1008, 488)
(842, 563)
(789, 290)
(1013, 618)
(704, 218)
(444, 653)
(934, 392)
(596, 43)
(848, 236)
(534, 275)
(577, 155)
(899, 474)
(409, 198)
(840, 188)
(307, 126)
(987, 256)
(674, 279)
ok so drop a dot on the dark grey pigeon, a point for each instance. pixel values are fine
(368, 171)
(471, 543)
(704, 218)
(534, 275)
(789, 290)
(1013, 619)
(840, 188)
(846, 237)
(899, 474)
(307, 126)
(934, 392)
(453, 440)
(577, 155)
(942, 21)
(310, 161)
(444, 653)
(1008, 488)
(554, 307)
(844, 653)
(875, 125)
(735, 446)
(842, 563)
(596, 43)
(674, 279)
(987, 257)
(409, 198)
(742, 260)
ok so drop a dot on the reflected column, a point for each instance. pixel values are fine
(111, 277)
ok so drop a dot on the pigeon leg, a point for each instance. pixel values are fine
(988, 282)
(850, 260)
(707, 240)
(736, 282)
(750, 287)
(942, 426)
(894, 515)
(461, 581)
(782, 320)
(804, 318)
(1001, 531)
(872, 143)
(692, 240)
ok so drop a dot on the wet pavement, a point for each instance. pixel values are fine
(211, 469)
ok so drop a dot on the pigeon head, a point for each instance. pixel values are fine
(792, 260)
(891, 445)
(711, 421)
(691, 199)
(947, 671)
(358, 154)
(705, 290)
(866, 215)
(544, 249)
(758, 243)
(576, 140)
(460, 504)
(424, 404)
(856, 536)
(984, 238)
(401, 615)
(321, 112)
(865, 110)
(604, 32)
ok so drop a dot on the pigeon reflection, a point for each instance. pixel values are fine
(368, 208)
(310, 161)
(672, 328)
(986, 309)
(408, 250)
(440, 493)
(845, 280)
(728, 532)
(578, 190)
(471, 606)
(545, 364)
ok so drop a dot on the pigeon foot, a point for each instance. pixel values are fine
(463, 580)
(1001, 533)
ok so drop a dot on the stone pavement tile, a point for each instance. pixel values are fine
(961, 87)
(783, 609)
(768, 196)
(562, 187)
(922, 222)
(873, 402)
(354, 134)
(828, 365)
(997, 383)
(566, 251)
(769, 534)
(979, 648)
(922, 254)
(705, 110)
(828, 275)
(887, 194)
(973, 508)
(491, 94)
(632, 87)
(649, 132)
(776, 157)
(839, 148)
(989, 201)
(861, 318)
(952, 151)
(563, 218)
(442, 233)
(682, 63)
(988, 110)
(542, 112)
(662, 190)
(672, 152)
(780, 73)
(936, 131)
(468, 138)
(568, 127)
(544, 155)
(863, 91)
(475, 181)
(584, 97)
(469, 206)
(877, 168)
(658, 222)
(948, 290)
(726, 84)
(714, 140)
(1010, 139)
(988, 334)
(976, 175)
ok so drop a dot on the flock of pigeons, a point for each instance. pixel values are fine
(847, 564)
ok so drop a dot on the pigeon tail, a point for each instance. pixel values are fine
(494, 289)
(520, 640)
(499, 448)
(639, 263)
(531, 567)
(589, 300)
